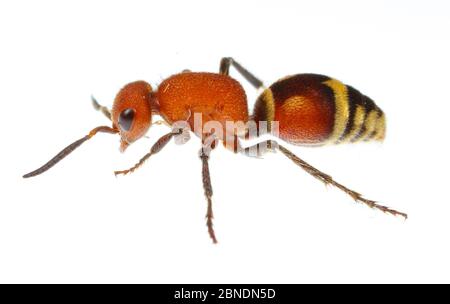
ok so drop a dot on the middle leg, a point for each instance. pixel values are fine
(208, 144)
(206, 178)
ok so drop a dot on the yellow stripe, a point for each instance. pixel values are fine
(369, 125)
(267, 97)
(358, 121)
(380, 128)
(341, 114)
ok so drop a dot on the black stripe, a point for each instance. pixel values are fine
(369, 106)
(292, 86)
(354, 98)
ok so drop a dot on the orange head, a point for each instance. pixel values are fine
(132, 113)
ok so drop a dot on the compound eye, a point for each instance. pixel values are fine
(126, 118)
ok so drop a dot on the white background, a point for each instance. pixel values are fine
(275, 223)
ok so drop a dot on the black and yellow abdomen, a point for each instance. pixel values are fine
(315, 109)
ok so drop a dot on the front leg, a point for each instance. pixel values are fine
(157, 147)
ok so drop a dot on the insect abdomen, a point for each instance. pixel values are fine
(315, 109)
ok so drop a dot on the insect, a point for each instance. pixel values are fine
(308, 109)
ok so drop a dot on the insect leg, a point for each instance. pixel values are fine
(225, 64)
(101, 108)
(325, 178)
(157, 147)
(206, 178)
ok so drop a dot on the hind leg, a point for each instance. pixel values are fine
(271, 145)
(225, 64)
